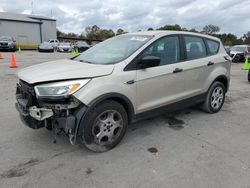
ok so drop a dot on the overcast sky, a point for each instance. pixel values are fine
(131, 15)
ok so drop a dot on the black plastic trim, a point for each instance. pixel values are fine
(224, 78)
(172, 107)
(129, 104)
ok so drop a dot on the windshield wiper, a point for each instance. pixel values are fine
(86, 61)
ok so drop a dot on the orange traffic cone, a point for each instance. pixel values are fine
(1, 57)
(12, 61)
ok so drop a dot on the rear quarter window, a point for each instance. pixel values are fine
(213, 46)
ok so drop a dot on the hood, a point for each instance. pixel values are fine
(236, 52)
(48, 45)
(63, 70)
(6, 41)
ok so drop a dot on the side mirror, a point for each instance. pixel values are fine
(149, 61)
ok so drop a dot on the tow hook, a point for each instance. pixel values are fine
(40, 113)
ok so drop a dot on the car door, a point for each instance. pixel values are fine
(199, 64)
(163, 84)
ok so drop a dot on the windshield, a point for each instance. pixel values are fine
(5, 39)
(238, 49)
(113, 50)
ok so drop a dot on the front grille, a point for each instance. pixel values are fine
(3, 44)
(27, 88)
(25, 92)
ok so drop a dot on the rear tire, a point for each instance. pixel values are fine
(104, 126)
(215, 98)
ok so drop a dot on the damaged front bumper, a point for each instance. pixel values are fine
(60, 116)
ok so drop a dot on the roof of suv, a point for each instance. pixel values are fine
(168, 32)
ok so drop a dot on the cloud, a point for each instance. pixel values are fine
(73, 16)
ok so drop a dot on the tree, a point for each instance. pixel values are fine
(150, 29)
(73, 35)
(120, 31)
(58, 32)
(105, 34)
(210, 29)
(96, 33)
(175, 27)
(246, 38)
(194, 30)
(92, 33)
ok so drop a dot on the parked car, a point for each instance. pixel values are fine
(122, 80)
(239, 52)
(7, 43)
(45, 47)
(82, 46)
(65, 47)
(227, 48)
(53, 42)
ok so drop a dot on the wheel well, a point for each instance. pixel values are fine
(121, 99)
(223, 80)
(126, 106)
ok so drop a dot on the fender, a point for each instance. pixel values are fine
(81, 113)
(220, 73)
(122, 99)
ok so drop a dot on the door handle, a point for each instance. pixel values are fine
(210, 63)
(177, 70)
(130, 82)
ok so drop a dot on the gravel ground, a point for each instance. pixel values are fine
(187, 149)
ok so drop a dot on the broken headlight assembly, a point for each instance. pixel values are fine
(60, 89)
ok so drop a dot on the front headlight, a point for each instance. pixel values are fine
(60, 89)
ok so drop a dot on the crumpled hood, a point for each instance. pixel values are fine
(63, 70)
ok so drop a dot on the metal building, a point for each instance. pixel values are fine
(27, 30)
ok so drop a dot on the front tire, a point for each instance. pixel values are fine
(215, 98)
(104, 126)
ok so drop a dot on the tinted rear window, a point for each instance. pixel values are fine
(213, 47)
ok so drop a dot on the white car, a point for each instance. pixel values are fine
(53, 42)
(45, 47)
(65, 47)
(238, 53)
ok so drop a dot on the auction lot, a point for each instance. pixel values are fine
(188, 148)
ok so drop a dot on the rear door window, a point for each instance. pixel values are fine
(213, 47)
(195, 47)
